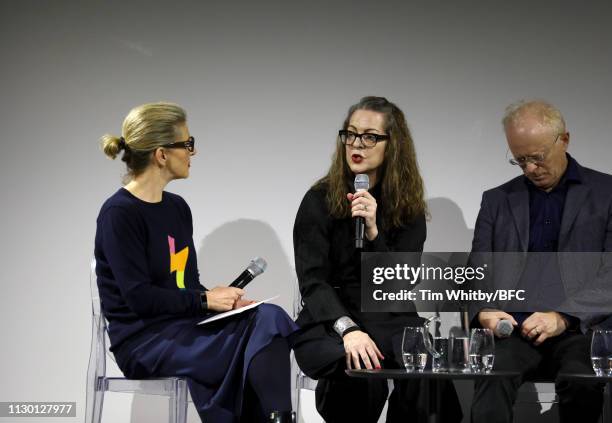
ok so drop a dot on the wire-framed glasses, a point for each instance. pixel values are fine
(537, 159)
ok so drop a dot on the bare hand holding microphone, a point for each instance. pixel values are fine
(501, 323)
(223, 298)
(363, 210)
(538, 327)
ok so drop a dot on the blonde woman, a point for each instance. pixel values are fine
(150, 289)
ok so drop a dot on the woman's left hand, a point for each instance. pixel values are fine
(242, 303)
(364, 205)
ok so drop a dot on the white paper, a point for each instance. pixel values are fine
(237, 311)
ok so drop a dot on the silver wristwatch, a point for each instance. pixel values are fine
(343, 323)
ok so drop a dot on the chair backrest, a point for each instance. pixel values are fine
(98, 328)
(97, 354)
(297, 298)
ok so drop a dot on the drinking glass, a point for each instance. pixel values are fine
(482, 350)
(601, 352)
(458, 353)
(440, 363)
(414, 352)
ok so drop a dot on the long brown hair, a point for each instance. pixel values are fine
(402, 189)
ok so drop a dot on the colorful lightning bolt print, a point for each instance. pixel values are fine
(178, 262)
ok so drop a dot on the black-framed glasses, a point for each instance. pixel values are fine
(368, 139)
(537, 159)
(189, 145)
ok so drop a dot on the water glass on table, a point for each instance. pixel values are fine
(601, 352)
(482, 350)
(414, 352)
(440, 363)
(458, 359)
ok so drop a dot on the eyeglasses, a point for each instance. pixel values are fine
(189, 144)
(537, 159)
(369, 140)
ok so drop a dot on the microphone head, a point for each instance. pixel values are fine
(504, 328)
(257, 266)
(362, 182)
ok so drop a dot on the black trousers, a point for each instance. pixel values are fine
(342, 399)
(319, 352)
(568, 353)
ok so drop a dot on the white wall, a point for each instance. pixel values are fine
(266, 85)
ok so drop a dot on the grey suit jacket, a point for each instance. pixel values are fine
(586, 226)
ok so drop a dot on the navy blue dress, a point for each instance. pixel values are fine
(150, 291)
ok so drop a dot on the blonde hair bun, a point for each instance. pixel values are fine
(111, 145)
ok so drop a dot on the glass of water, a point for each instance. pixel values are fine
(482, 350)
(458, 353)
(414, 352)
(601, 352)
(439, 363)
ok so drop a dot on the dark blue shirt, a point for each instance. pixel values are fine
(546, 210)
(541, 276)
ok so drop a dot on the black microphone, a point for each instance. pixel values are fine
(362, 183)
(504, 328)
(255, 268)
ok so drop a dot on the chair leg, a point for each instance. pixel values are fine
(299, 384)
(98, 402)
(178, 403)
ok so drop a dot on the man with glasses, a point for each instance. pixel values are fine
(556, 206)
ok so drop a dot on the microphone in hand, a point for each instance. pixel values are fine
(504, 328)
(255, 268)
(362, 183)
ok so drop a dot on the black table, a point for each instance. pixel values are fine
(429, 376)
(592, 377)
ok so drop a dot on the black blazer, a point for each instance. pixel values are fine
(586, 226)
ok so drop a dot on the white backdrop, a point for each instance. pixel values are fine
(266, 86)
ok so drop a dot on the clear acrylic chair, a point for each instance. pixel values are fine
(98, 383)
(301, 380)
(299, 375)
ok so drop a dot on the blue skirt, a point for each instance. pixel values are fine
(214, 358)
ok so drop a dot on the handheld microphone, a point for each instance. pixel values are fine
(255, 268)
(504, 328)
(362, 183)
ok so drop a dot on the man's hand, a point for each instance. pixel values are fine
(540, 326)
(489, 318)
(358, 344)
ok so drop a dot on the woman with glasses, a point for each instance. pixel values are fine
(335, 335)
(236, 368)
